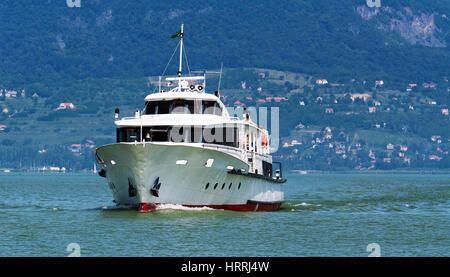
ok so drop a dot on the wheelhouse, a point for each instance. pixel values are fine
(183, 106)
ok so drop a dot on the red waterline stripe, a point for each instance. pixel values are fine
(250, 206)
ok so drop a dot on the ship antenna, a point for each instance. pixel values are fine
(220, 76)
(181, 51)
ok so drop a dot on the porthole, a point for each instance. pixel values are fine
(230, 186)
(223, 186)
(207, 185)
(215, 186)
(239, 186)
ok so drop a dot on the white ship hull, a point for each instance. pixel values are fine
(146, 175)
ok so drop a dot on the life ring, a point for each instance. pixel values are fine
(264, 139)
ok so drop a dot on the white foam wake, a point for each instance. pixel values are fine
(181, 207)
(302, 204)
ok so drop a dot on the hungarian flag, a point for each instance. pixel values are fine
(177, 34)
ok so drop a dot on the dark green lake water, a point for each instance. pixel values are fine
(324, 215)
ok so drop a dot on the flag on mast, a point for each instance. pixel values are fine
(177, 34)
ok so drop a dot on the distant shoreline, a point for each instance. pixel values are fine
(295, 171)
(398, 171)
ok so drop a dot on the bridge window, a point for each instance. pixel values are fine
(183, 106)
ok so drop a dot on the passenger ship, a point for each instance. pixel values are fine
(184, 148)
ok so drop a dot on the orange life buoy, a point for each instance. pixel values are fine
(264, 140)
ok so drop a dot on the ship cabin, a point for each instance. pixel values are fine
(188, 115)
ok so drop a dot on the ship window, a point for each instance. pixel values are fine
(239, 186)
(219, 135)
(211, 107)
(267, 169)
(159, 134)
(223, 186)
(151, 107)
(177, 106)
(189, 134)
(215, 186)
(207, 185)
(196, 134)
(128, 134)
(230, 186)
(164, 107)
(180, 107)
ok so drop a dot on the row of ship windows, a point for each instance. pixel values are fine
(223, 186)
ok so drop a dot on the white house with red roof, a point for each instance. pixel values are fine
(75, 148)
(11, 93)
(64, 106)
(329, 110)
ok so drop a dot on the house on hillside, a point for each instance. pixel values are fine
(431, 85)
(64, 106)
(238, 103)
(362, 96)
(329, 110)
(89, 144)
(3, 127)
(434, 158)
(300, 126)
(5, 110)
(321, 82)
(372, 109)
(75, 148)
(390, 146)
(278, 99)
(444, 111)
(379, 83)
(11, 94)
(340, 150)
(260, 101)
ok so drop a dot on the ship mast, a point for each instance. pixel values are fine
(181, 51)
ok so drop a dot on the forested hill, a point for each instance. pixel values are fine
(44, 43)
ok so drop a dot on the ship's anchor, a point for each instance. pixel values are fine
(155, 188)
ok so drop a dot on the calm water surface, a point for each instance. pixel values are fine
(324, 215)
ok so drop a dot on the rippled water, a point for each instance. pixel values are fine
(324, 215)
